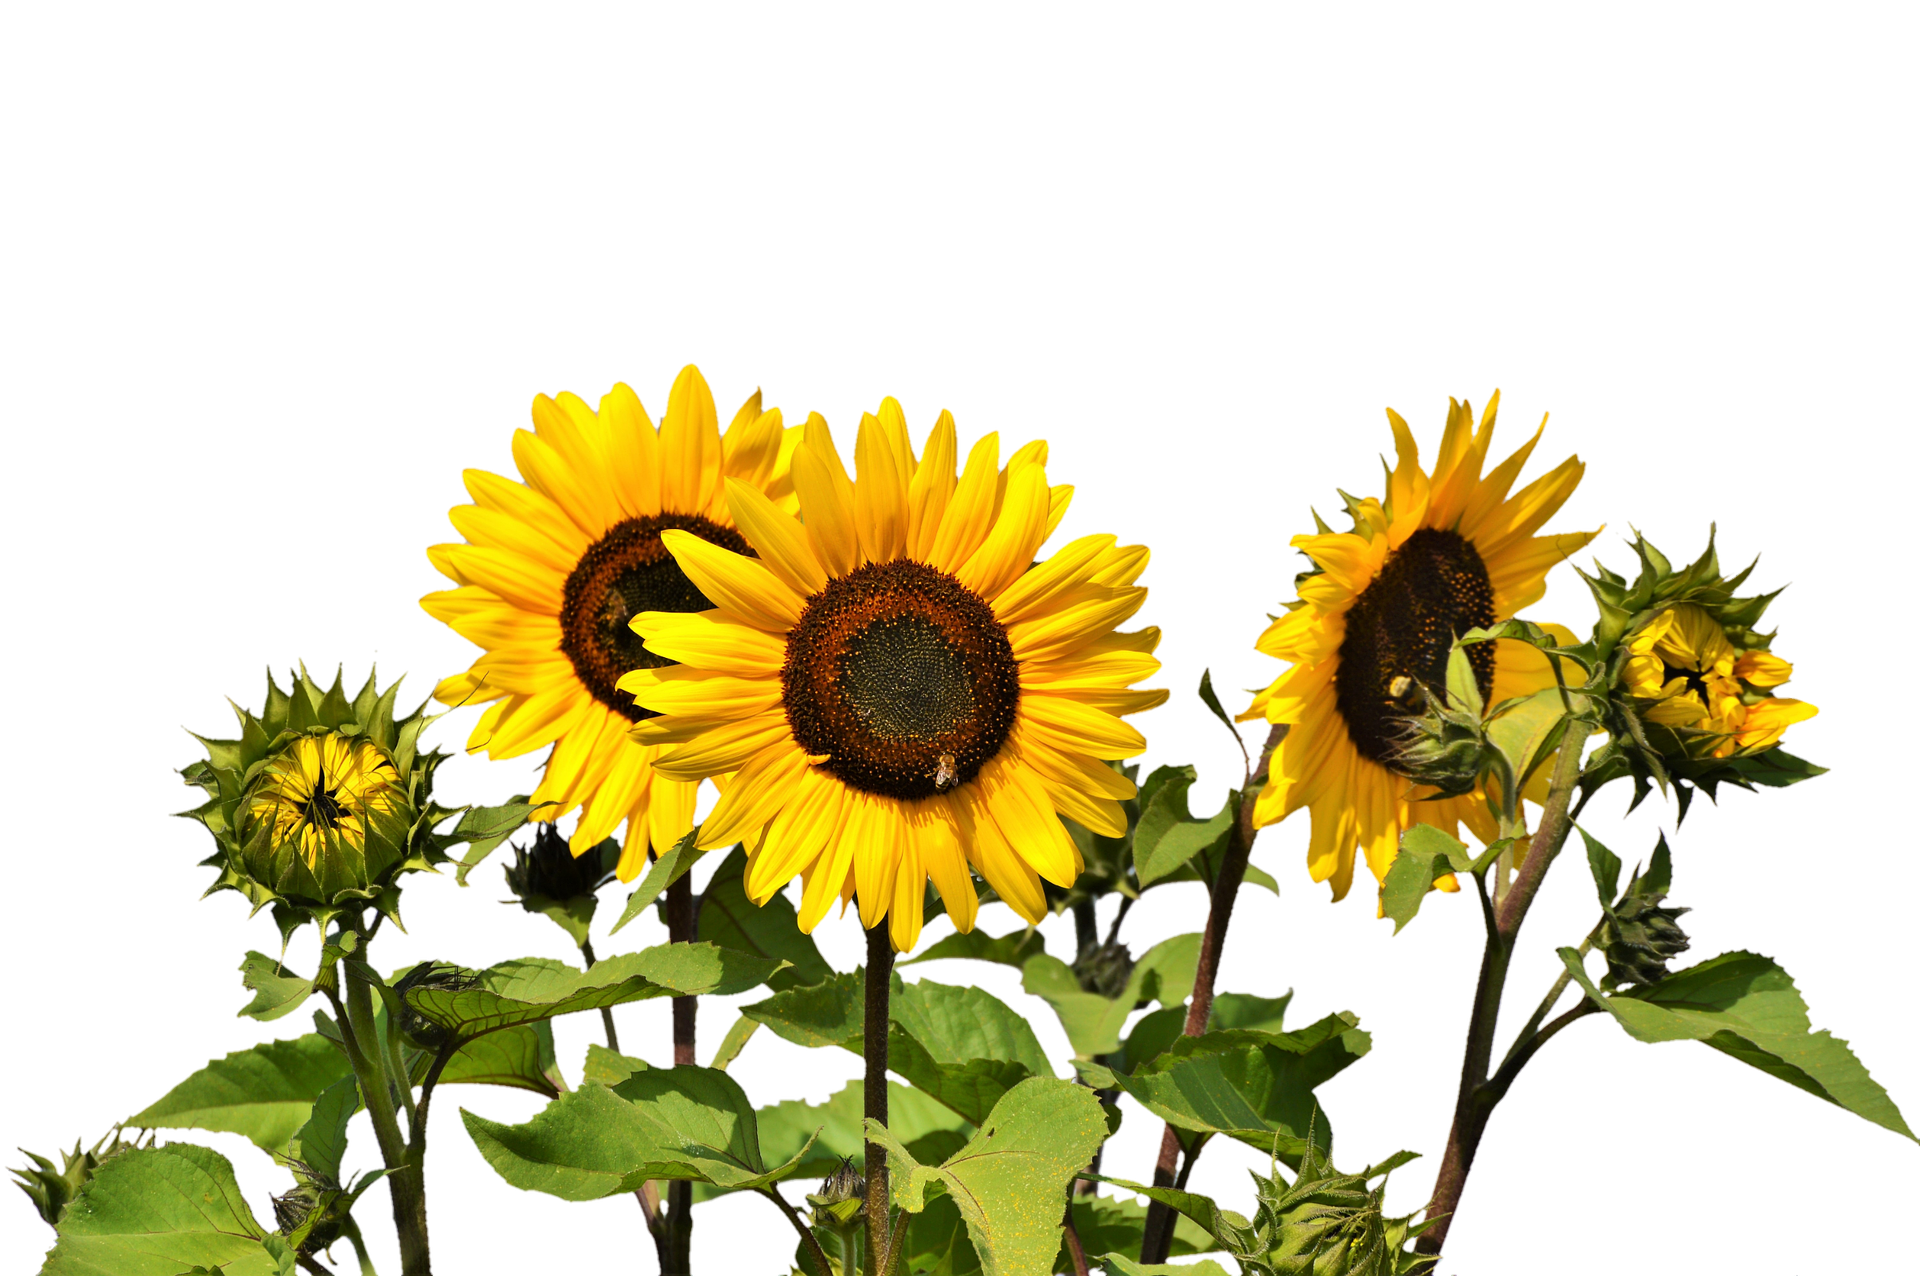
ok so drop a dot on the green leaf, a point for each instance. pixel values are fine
(1744, 1005)
(520, 1057)
(1775, 768)
(609, 1067)
(963, 1046)
(321, 1144)
(930, 1129)
(274, 993)
(1247, 1084)
(680, 1123)
(772, 929)
(159, 1212)
(1426, 855)
(483, 828)
(1158, 1029)
(1093, 1023)
(1110, 1224)
(1167, 835)
(1010, 1179)
(265, 1093)
(829, 1013)
(1009, 950)
(1526, 730)
(574, 916)
(666, 870)
(734, 1042)
(1606, 869)
(535, 988)
(1211, 699)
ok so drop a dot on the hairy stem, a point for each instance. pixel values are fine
(606, 1012)
(1157, 1237)
(1075, 1251)
(369, 1067)
(878, 1019)
(1477, 1097)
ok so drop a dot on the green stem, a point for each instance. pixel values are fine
(812, 1242)
(1477, 1098)
(606, 1012)
(358, 1240)
(369, 1067)
(874, 1033)
(1546, 1003)
(1156, 1237)
(402, 1078)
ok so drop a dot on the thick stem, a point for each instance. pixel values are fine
(812, 1242)
(403, 1175)
(1157, 1237)
(1086, 927)
(1076, 1253)
(683, 921)
(878, 1019)
(1476, 1098)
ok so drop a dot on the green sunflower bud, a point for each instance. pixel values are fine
(415, 1027)
(546, 879)
(313, 1215)
(842, 1198)
(1640, 938)
(1104, 969)
(51, 1190)
(321, 803)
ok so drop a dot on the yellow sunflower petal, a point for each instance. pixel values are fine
(932, 487)
(740, 585)
(633, 452)
(716, 640)
(754, 797)
(689, 446)
(970, 512)
(826, 506)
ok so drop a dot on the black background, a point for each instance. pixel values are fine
(246, 471)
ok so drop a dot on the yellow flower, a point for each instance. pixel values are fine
(1438, 556)
(555, 567)
(321, 792)
(903, 692)
(1682, 663)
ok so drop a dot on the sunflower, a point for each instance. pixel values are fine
(324, 791)
(903, 692)
(554, 568)
(1683, 665)
(1377, 616)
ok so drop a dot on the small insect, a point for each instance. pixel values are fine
(1399, 687)
(946, 773)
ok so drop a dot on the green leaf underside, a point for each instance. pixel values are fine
(1744, 1005)
(535, 988)
(679, 1123)
(483, 828)
(265, 1093)
(728, 918)
(1093, 1023)
(1247, 1084)
(1010, 1179)
(321, 1144)
(1008, 950)
(520, 1057)
(275, 992)
(159, 1212)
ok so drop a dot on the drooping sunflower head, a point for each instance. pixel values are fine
(554, 569)
(1369, 638)
(903, 692)
(321, 803)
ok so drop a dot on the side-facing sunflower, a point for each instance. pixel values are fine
(902, 691)
(556, 566)
(1691, 676)
(1377, 616)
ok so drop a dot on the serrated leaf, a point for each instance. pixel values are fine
(1009, 1181)
(1605, 866)
(275, 993)
(265, 1093)
(772, 929)
(483, 828)
(734, 1042)
(1009, 950)
(1744, 1005)
(1093, 1023)
(159, 1212)
(680, 1123)
(961, 1045)
(321, 1144)
(520, 1057)
(534, 988)
(924, 1124)
(1426, 855)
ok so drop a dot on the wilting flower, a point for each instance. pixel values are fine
(1372, 631)
(555, 567)
(902, 690)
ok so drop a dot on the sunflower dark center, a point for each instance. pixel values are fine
(1695, 680)
(901, 678)
(624, 573)
(1400, 632)
(323, 808)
